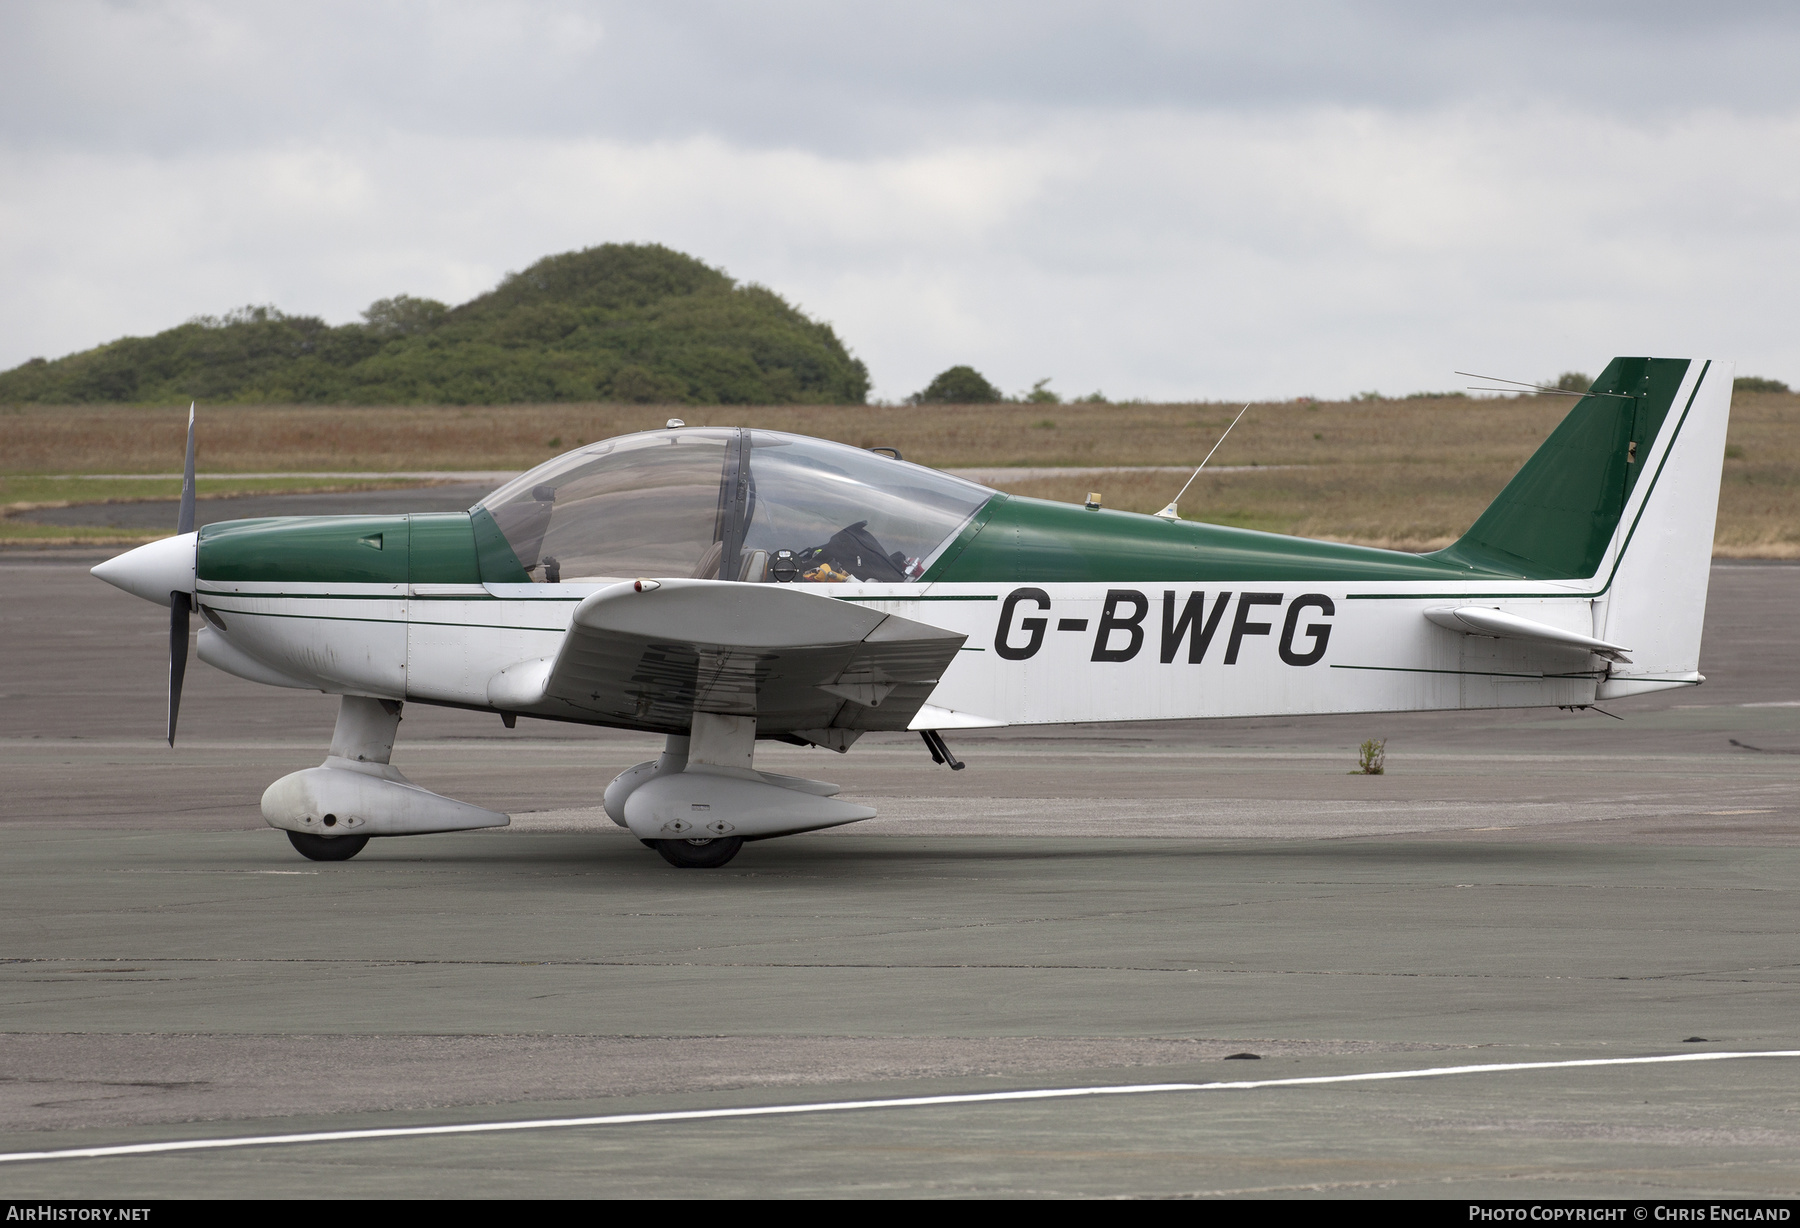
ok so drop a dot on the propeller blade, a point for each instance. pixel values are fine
(180, 605)
(186, 522)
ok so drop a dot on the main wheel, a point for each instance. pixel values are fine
(327, 848)
(699, 854)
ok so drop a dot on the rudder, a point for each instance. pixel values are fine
(1660, 563)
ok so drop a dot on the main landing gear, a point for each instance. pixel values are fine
(698, 854)
(699, 801)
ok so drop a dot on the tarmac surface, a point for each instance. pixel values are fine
(1091, 905)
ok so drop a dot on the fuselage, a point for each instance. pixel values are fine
(1106, 616)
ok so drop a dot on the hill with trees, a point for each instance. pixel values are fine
(619, 322)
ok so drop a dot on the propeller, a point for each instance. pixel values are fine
(181, 605)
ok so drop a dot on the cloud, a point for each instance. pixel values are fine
(845, 79)
(1208, 201)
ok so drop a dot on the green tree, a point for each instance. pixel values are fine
(957, 386)
(403, 316)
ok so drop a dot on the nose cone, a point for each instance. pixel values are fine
(154, 571)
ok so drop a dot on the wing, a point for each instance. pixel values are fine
(651, 653)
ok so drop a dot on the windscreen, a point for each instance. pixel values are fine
(641, 505)
(823, 512)
(699, 503)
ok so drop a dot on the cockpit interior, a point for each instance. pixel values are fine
(731, 504)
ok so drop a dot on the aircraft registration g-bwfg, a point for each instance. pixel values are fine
(723, 585)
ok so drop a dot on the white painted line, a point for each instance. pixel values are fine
(843, 1106)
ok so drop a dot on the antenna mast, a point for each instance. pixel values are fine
(1169, 512)
(1539, 388)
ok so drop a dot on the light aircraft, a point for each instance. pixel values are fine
(723, 586)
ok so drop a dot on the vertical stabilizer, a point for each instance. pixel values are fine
(1560, 515)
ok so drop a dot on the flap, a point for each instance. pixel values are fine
(933, 717)
(1485, 620)
(650, 654)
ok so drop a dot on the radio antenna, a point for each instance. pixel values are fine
(1538, 388)
(1169, 512)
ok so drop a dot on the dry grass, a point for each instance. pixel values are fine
(1411, 474)
(79, 439)
(23, 495)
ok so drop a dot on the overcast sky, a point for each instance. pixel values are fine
(1158, 200)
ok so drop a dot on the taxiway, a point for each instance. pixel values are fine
(1083, 906)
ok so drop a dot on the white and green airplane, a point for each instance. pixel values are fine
(725, 585)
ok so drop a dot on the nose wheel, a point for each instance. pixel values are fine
(698, 854)
(326, 848)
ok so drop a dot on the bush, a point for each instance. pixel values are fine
(624, 322)
(1571, 381)
(1756, 383)
(957, 386)
(1371, 758)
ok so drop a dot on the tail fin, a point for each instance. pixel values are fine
(1624, 493)
(1557, 516)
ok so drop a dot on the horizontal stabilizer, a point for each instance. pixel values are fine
(1485, 620)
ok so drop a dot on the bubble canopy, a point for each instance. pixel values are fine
(730, 504)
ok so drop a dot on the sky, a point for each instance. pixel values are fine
(1167, 201)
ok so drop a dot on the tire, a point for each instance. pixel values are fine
(326, 848)
(699, 854)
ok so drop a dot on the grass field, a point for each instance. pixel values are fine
(20, 495)
(1411, 474)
